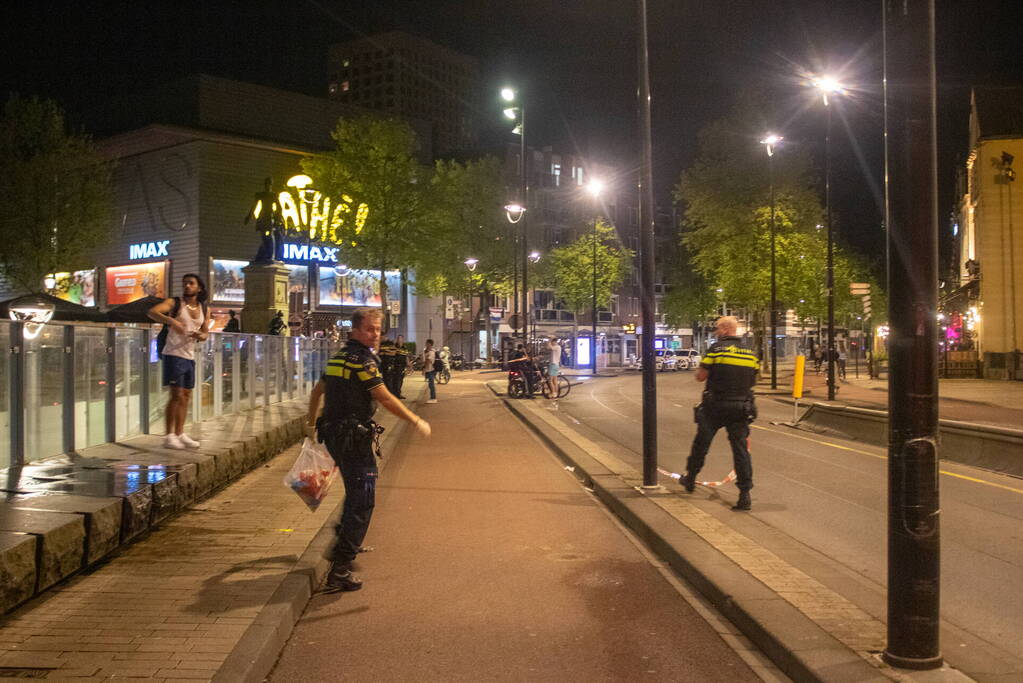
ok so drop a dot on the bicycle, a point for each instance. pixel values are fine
(561, 382)
(444, 376)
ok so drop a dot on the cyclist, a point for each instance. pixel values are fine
(521, 362)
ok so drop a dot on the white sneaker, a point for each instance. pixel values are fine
(188, 441)
(173, 441)
(432, 400)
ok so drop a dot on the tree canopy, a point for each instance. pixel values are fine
(569, 270)
(57, 192)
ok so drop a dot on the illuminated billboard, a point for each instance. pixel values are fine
(128, 283)
(78, 287)
(228, 281)
(343, 286)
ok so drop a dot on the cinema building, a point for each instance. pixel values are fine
(190, 158)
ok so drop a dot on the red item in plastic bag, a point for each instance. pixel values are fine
(312, 474)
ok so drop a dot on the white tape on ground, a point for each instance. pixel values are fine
(675, 475)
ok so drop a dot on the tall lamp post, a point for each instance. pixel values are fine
(471, 264)
(770, 142)
(595, 188)
(518, 114)
(826, 86)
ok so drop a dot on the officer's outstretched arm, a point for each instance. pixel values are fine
(385, 398)
(314, 408)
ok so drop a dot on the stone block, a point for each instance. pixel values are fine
(17, 569)
(102, 517)
(60, 539)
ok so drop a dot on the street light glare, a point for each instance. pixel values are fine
(534, 256)
(507, 94)
(771, 140)
(511, 113)
(595, 187)
(828, 85)
(471, 263)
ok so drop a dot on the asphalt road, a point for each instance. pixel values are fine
(829, 495)
(492, 563)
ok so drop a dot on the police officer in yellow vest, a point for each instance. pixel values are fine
(730, 370)
(352, 386)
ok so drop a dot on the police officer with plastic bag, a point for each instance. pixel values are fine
(730, 369)
(352, 386)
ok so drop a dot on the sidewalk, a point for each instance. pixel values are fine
(492, 562)
(177, 603)
(991, 402)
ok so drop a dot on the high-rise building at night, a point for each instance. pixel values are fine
(409, 77)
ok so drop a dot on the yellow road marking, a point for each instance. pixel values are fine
(885, 457)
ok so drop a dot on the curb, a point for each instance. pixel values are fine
(796, 644)
(258, 649)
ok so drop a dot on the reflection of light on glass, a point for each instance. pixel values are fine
(132, 478)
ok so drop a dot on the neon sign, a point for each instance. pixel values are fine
(309, 252)
(305, 210)
(148, 249)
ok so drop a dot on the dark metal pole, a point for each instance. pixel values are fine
(911, 216)
(774, 282)
(524, 188)
(593, 341)
(831, 257)
(646, 231)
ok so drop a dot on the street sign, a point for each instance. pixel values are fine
(449, 308)
(395, 307)
(515, 321)
(866, 305)
(859, 288)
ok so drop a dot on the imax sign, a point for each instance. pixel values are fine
(309, 252)
(148, 250)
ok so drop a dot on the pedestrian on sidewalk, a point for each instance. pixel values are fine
(841, 363)
(184, 325)
(351, 387)
(233, 325)
(400, 366)
(429, 360)
(730, 371)
(521, 361)
(553, 366)
(386, 355)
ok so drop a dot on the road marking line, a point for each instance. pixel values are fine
(885, 457)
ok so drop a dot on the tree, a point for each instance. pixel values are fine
(374, 164)
(568, 270)
(727, 200)
(57, 194)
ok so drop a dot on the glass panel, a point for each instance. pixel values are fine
(204, 380)
(242, 386)
(44, 393)
(158, 396)
(270, 358)
(258, 358)
(228, 344)
(128, 357)
(5, 404)
(90, 386)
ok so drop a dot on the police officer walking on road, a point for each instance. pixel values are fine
(352, 386)
(730, 370)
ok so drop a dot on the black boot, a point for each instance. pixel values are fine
(341, 578)
(744, 502)
(688, 482)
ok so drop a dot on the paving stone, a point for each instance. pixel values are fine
(17, 568)
(60, 538)
(102, 517)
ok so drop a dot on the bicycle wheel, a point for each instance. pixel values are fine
(516, 390)
(443, 377)
(564, 386)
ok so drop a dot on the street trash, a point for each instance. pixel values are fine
(312, 474)
(570, 468)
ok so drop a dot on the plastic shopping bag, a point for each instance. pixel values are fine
(312, 474)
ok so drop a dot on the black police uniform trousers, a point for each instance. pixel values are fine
(712, 416)
(359, 471)
(398, 375)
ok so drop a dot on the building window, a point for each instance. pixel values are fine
(345, 86)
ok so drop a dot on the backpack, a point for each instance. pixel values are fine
(161, 338)
(438, 365)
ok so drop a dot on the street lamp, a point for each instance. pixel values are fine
(771, 141)
(518, 209)
(471, 264)
(827, 85)
(595, 187)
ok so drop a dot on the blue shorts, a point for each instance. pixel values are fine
(178, 372)
(552, 369)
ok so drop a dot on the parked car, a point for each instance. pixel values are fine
(688, 359)
(666, 360)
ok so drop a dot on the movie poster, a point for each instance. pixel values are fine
(128, 283)
(298, 281)
(78, 287)
(347, 287)
(229, 281)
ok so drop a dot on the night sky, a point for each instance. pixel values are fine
(575, 60)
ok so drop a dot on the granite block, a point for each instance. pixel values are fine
(17, 569)
(60, 538)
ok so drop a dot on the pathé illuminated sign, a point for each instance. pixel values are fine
(148, 250)
(308, 211)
